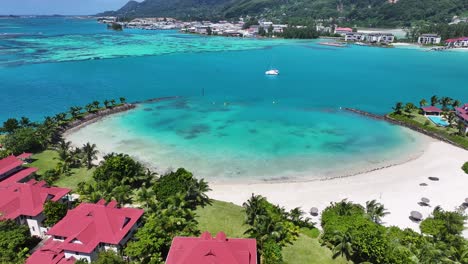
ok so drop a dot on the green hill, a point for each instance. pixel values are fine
(360, 12)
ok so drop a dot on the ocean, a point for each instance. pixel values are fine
(231, 122)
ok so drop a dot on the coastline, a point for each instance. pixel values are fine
(397, 187)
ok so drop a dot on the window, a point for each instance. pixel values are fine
(32, 227)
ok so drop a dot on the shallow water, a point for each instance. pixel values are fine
(232, 121)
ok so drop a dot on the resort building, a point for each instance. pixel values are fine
(384, 38)
(429, 39)
(462, 114)
(208, 249)
(431, 110)
(88, 229)
(354, 36)
(343, 31)
(24, 202)
(9, 166)
(457, 42)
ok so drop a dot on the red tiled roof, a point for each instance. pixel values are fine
(26, 198)
(462, 112)
(24, 156)
(17, 177)
(431, 109)
(344, 29)
(91, 224)
(49, 253)
(217, 250)
(9, 163)
(457, 39)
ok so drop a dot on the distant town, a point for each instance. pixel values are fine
(264, 28)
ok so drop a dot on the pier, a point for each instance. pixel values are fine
(403, 124)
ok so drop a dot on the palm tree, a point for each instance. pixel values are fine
(25, 122)
(344, 207)
(60, 118)
(375, 211)
(89, 108)
(456, 103)
(451, 117)
(90, 154)
(196, 193)
(75, 111)
(434, 100)
(409, 107)
(344, 246)
(106, 103)
(461, 128)
(423, 102)
(96, 104)
(64, 149)
(122, 100)
(445, 102)
(253, 208)
(112, 101)
(398, 107)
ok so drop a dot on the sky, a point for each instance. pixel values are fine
(61, 7)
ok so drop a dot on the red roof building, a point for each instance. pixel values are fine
(89, 228)
(431, 110)
(342, 30)
(50, 253)
(24, 202)
(9, 165)
(213, 250)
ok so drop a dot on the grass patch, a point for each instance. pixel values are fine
(48, 160)
(228, 217)
(418, 120)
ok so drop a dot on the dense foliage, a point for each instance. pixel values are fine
(372, 13)
(348, 229)
(272, 226)
(15, 242)
(109, 257)
(114, 179)
(54, 212)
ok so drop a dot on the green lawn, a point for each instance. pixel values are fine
(48, 159)
(418, 120)
(228, 217)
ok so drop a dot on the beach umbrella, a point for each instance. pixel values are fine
(425, 200)
(314, 211)
(416, 215)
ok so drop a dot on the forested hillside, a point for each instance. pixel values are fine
(357, 12)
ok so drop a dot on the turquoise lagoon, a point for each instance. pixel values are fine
(232, 121)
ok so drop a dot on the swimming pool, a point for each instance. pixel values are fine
(438, 121)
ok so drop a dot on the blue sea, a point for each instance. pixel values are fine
(231, 121)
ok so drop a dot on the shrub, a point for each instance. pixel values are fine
(22, 140)
(465, 167)
(272, 253)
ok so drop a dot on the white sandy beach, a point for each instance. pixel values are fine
(396, 187)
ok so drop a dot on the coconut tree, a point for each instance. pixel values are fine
(451, 117)
(344, 207)
(434, 100)
(196, 194)
(461, 128)
(60, 118)
(398, 108)
(106, 103)
(89, 108)
(122, 100)
(112, 101)
(96, 104)
(423, 102)
(75, 111)
(344, 245)
(456, 103)
(445, 102)
(90, 154)
(253, 208)
(25, 122)
(375, 211)
(64, 149)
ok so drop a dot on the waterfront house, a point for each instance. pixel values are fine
(429, 39)
(431, 110)
(23, 200)
(208, 249)
(354, 36)
(457, 42)
(9, 166)
(384, 38)
(342, 31)
(89, 229)
(462, 114)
